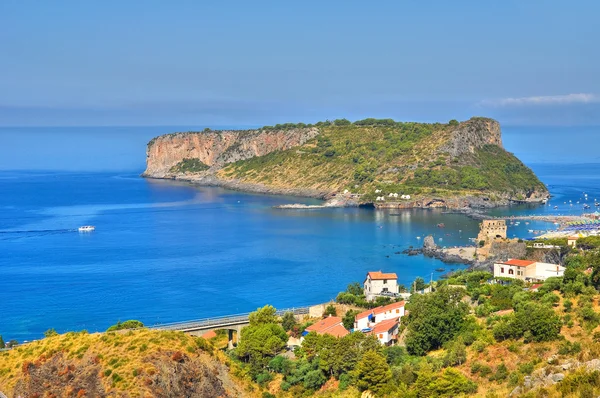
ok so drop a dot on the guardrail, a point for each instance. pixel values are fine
(225, 320)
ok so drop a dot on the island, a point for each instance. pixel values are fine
(377, 162)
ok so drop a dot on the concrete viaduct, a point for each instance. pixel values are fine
(232, 323)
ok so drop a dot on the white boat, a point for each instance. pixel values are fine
(86, 228)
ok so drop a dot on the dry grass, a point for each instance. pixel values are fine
(124, 353)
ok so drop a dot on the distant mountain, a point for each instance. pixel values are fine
(380, 160)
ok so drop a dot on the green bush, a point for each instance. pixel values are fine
(131, 324)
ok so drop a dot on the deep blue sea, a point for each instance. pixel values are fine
(165, 251)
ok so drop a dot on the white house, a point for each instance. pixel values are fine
(378, 282)
(370, 318)
(572, 241)
(527, 270)
(386, 331)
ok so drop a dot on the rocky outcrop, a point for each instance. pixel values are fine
(218, 148)
(505, 249)
(472, 134)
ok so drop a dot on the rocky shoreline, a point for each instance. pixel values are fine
(468, 205)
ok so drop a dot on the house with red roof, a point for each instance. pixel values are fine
(378, 283)
(527, 270)
(331, 325)
(386, 331)
(367, 320)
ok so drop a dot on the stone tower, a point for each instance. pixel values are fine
(490, 230)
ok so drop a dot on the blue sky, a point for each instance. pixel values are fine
(524, 62)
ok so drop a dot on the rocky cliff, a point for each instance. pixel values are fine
(452, 165)
(217, 148)
(468, 137)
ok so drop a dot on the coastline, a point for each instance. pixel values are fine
(464, 204)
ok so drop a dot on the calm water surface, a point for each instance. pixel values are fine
(165, 251)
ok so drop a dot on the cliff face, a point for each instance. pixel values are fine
(217, 148)
(471, 135)
(451, 165)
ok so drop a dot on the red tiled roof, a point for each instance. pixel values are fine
(573, 237)
(377, 275)
(337, 331)
(519, 263)
(536, 286)
(384, 326)
(380, 310)
(331, 325)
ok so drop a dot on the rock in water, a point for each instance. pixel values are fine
(429, 243)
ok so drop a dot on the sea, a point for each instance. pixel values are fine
(166, 251)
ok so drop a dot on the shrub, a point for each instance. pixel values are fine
(131, 324)
(330, 310)
(314, 380)
(50, 333)
(263, 378)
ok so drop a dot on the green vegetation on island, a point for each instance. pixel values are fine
(189, 165)
(393, 157)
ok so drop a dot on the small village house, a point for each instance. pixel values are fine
(331, 325)
(526, 270)
(572, 241)
(386, 331)
(369, 318)
(378, 282)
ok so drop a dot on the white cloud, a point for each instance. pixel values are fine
(580, 98)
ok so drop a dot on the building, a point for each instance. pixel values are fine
(386, 331)
(378, 282)
(572, 241)
(526, 270)
(491, 229)
(331, 325)
(368, 319)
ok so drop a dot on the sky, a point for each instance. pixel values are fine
(153, 63)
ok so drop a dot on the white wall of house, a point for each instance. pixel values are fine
(542, 271)
(386, 337)
(361, 323)
(536, 271)
(373, 287)
(364, 323)
(509, 271)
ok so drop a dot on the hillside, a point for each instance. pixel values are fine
(139, 363)
(426, 161)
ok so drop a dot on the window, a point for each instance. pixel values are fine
(385, 281)
(380, 335)
(502, 270)
(511, 272)
(397, 311)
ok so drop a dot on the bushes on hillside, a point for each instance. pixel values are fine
(131, 324)
(434, 319)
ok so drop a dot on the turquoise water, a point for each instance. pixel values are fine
(165, 251)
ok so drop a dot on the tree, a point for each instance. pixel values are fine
(131, 324)
(355, 288)
(330, 310)
(540, 320)
(373, 373)
(262, 340)
(342, 122)
(50, 333)
(262, 316)
(314, 380)
(434, 319)
(1, 342)
(348, 319)
(288, 321)
(453, 122)
(418, 284)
